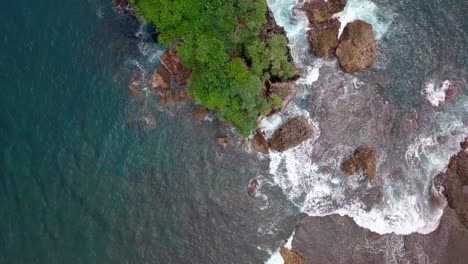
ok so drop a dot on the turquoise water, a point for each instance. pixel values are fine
(91, 174)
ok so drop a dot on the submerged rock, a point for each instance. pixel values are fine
(323, 38)
(291, 257)
(161, 78)
(322, 10)
(135, 85)
(252, 189)
(259, 143)
(181, 96)
(175, 66)
(363, 159)
(291, 134)
(357, 50)
(200, 112)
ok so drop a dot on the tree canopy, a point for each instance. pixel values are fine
(220, 43)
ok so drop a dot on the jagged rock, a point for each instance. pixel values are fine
(252, 189)
(200, 112)
(323, 38)
(291, 134)
(322, 10)
(161, 78)
(363, 159)
(259, 143)
(285, 90)
(291, 257)
(166, 97)
(357, 50)
(223, 142)
(181, 96)
(464, 144)
(135, 85)
(174, 65)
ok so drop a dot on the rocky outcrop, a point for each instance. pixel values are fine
(291, 257)
(285, 90)
(161, 78)
(253, 187)
(364, 160)
(291, 134)
(259, 143)
(200, 112)
(223, 142)
(319, 11)
(323, 38)
(455, 183)
(357, 50)
(174, 65)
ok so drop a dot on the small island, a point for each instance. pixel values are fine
(233, 55)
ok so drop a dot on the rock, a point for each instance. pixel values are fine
(322, 10)
(455, 182)
(181, 96)
(291, 134)
(166, 97)
(285, 90)
(291, 257)
(174, 65)
(200, 112)
(259, 143)
(252, 189)
(223, 142)
(323, 38)
(135, 85)
(363, 159)
(357, 50)
(464, 144)
(161, 78)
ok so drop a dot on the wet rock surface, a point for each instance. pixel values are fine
(223, 142)
(363, 160)
(322, 10)
(285, 90)
(259, 143)
(161, 78)
(357, 49)
(174, 65)
(252, 188)
(291, 257)
(323, 38)
(291, 134)
(200, 112)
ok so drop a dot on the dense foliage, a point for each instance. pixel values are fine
(221, 45)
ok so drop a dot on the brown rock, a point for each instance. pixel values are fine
(322, 10)
(291, 134)
(169, 97)
(259, 143)
(291, 257)
(174, 65)
(200, 112)
(323, 38)
(181, 96)
(223, 142)
(285, 90)
(135, 85)
(464, 144)
(363, 159)
(252, 189)
(161, 78)
(357, 50)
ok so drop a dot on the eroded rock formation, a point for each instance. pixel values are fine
(364, 160)
(291, 134)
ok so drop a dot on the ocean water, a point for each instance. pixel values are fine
(90, 173)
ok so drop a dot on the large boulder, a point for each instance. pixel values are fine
(319, 11)
(323, 38)
(357, 50)
(174, 65)
(200, 112)
(161, 78)
(291, 257)
(252, 188)
(259, 143)
(291, 134)
(363, 159)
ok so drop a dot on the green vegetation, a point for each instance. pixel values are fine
(221, 44)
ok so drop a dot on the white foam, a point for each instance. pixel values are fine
(436, 94)
(364, 10)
